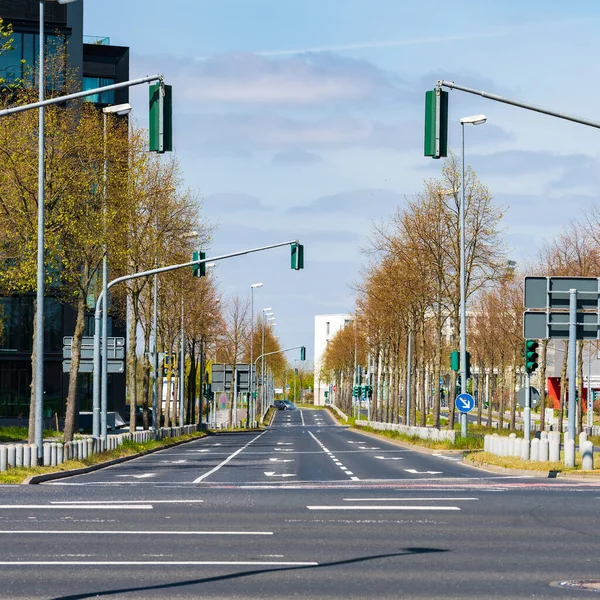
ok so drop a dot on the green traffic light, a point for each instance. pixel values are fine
(531, 356)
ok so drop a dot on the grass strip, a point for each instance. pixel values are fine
(127, 448)
(15, 433)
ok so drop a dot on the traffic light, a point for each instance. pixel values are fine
(455, 360)
(161, 118)
(363, 391)
(369, 391)
(436, 123)
(356, 391)
(531, 356)
(468, 361)
(458, 385)
(297, 256)
(302, 353)
(199, 270)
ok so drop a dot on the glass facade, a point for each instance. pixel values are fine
(18, 63)
(91, 83)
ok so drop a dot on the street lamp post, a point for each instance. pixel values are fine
(474, 120)
(266, 313)
(40, 270)
(119, 109)
(251, 378)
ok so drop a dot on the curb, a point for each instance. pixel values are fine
(583, 475)
(36, 479)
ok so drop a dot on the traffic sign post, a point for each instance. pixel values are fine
(464, 403)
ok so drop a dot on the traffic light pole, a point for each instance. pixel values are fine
(99, 316)
(527, 409)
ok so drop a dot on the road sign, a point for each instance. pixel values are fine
(534, 396)
(464, 403)
(87, 366)
(555, 325)
(553, 292)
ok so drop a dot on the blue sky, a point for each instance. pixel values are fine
(304, 119)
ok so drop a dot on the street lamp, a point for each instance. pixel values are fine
(40, 270)
(266, 313)
(119, 110)
(474, 120)
(251, 378)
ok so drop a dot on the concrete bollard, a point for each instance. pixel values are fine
(34, 455)
(90, 447)
(543, 449)
(535, 449)
(53, 454)
(3, 458)
(11, 455)
(525, 449)
(587, 456)
(27, 455)
(486, 443)
(582, 439)
(570, 453)
(60, 454)
(47, 452)
(83, 447)
(543, 435)
(554, 448)
(516, 447)
(19, 455)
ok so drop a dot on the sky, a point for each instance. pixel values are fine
(303, 119)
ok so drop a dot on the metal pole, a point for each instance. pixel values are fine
(181, 368)
(262, 370)
(103, 349)
(154, 353)
(249, 416)
(572, 362)
(590, 395)
(527, 409)
(39, 315)
(463, 314)
(408, 373)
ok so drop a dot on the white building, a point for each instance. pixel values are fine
(326, 326)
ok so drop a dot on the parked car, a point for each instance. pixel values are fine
(280, 405)
(289, 405)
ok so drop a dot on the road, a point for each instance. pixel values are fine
(307, 509)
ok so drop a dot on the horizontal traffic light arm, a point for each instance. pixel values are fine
(277, 352)
(61, 99)
(525, 105)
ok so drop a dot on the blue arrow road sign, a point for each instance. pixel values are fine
(464, 403)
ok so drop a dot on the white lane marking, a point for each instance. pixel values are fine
(281, 459)
(127, 502)
(407, 499)
(283, 449)
(97, 506)
(445, 457)
(302, 417)
(206, 450)
(415, 472)
(218, 444)
(348, 472)
(142, 563)
(285, 443)
(388, 507)
(273, 474)
(174, 462)
(389, 457)
(335, 460)
(142, 476)
(356, 442)
(368, 448)
(230, 457)
(354, 478)
(108, 532)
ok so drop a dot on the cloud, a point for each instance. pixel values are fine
(296, 157)
(519, 162)
(369, 202)
(312, 80)
(227, 202)
(245, 133)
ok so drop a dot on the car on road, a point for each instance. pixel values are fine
(284, 405)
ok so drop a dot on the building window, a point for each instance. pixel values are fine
(91, 83)
(18, 64)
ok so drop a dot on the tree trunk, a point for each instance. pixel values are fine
(169, 388)
(502, 386)
(72, 403)
(131, 370)
(543, 358)
(513, 399)
(31, 432)
(492, 389)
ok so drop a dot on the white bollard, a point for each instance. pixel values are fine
(582, 439)
(60, 454)
(19, 455)
(510, 445)
(486, 443)
(53, 454)
(27, 455)
(84, 449)
(11, 455)
(570, 453)
(47, 454)
(3, 458)
(34, 455)
(516, 447)
(543, 435)
(554, 449)
(535, 449)
(90, 445)
(587, 456)
(544, 449)
(525, 449)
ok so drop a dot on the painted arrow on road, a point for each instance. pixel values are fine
(273, 474)
(283, 449)
(445, 457)
(389, 457)
(142, 476)
(415, 472)
(285, 443)
(173, 462)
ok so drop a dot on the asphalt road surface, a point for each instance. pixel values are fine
(307, 509)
